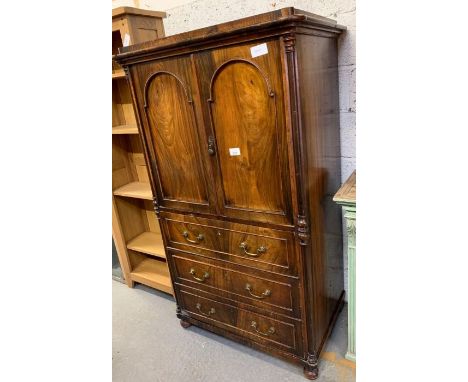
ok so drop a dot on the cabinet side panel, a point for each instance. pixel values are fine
(318, 83)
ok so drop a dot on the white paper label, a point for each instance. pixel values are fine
(234, 151)
(126, 40)
(259, 50)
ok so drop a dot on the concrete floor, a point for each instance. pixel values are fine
(150, 345)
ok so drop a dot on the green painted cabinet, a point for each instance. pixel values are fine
(346, 197)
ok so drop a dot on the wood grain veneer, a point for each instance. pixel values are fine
(244, 157)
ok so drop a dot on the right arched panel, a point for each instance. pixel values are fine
(244, 117)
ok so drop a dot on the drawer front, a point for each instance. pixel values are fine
(253, 246)
(264, 330)
(235, 285)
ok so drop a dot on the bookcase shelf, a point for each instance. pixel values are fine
(125, 129)
(150, 243)
(119, 73)
(151, 272)
(135, 228)
(138, 190)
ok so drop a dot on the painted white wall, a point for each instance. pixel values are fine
(152, 5)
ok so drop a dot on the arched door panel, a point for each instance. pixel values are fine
(173, 136)
(244, 97)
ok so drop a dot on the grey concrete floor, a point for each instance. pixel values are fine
(150, 345)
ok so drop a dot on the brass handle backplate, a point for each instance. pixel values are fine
(197, 240)
(260, 250)
(267, 292)
(209, 313)
(266, 334)
(201, 279)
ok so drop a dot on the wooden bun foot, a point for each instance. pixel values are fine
(185, 324)
(310, 373)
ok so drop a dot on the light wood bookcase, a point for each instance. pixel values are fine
(135, 228)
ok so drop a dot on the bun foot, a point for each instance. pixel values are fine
(185, 324)
(310, 373)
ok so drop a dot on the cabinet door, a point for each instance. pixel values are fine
(243, 97)
(174, 141)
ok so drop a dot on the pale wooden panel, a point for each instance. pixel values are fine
(147, 209)
(151, 272)
(131, 218)
(148, 242)
(118, 73)
(138, 190)
(135, 144)
(134, 216)
(138, 158)
(147, 34)
(135, 154)
(120, 178)
(142, 174)
(155, 227)
(118, 117)
(347, 192)
(118, 162)
(121, 173)
(131, 12)
(145, 28)
(152, 220)
(120, 245)
(120, 24)
(128, 113)
(126, 102)
(125, 129)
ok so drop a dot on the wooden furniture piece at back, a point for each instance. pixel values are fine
(135, 229)
(240, 122)
(346, 197)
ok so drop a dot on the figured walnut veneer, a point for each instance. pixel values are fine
(244, 158)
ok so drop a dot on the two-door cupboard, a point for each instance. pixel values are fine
(241, 135)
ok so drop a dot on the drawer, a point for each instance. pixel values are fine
(280, 296)
(253, 246)
(261, 329)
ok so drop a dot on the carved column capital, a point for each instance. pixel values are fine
(312, 360)
(351, 227)
(290, 42)
(181, 314)
(178, 311)
(156, 207)
(302, 230)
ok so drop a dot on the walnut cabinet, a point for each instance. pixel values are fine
(240, 130)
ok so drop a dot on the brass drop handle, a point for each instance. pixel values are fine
(267, 292)
(197, 240)
(266, 334)
(209, 313)
(245, 247)
(202, 279)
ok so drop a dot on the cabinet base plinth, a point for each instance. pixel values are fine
(185, 324)
(350, 356)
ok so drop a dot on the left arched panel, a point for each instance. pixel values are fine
(173, 130)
